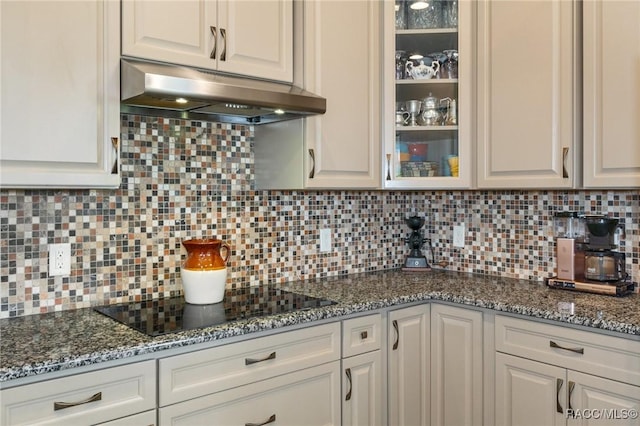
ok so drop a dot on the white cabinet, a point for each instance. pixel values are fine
(289, 378)
(528, 94)
(305, 397)
(456, 366)
(341, 148)
(87, 398)
(362, 371)
(611, 48)
(434, 150)
(550, 375)
(59, 94)
(408, 366)
(253, 38)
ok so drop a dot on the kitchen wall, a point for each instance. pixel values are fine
(183, 179)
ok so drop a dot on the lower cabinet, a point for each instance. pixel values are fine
(306, 397)
(456, 366)
(534, 393)
(408, 366)
(82, 399)
(551, 375)
(362, 371)
(435, 366)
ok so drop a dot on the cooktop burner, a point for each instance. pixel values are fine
(170, 315)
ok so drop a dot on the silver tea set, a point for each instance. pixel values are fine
(430, 111)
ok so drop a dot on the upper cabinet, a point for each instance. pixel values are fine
(611, 71)
(428, 63)
(253, 38)
(339, 47)
(59, 94)
(528, 100)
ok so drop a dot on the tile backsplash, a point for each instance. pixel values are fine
(184, 179)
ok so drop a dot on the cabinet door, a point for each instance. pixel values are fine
(611, 43)
(527, 94)
(362, 390)
(408, 369)
(597, 401)
(342, 63)
(256, 38)
(305, 397)
(529, 393)
(178, 32)
(433, 148)
(253, 38)
(59, 102)
(456, 366)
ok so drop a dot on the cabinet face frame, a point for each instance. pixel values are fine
(465, 103)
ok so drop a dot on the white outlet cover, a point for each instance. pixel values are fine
(325, 240)
(59, 259)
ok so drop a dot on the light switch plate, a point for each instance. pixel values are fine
(325, 240)
(458, 235)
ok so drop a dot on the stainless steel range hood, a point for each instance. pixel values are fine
(177, 91)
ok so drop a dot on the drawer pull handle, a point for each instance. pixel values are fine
(395, 327)
(364, 335)
(269, 420)
(557, 346)
(62, 405)
(249, 361)
(572, 385)
(348, 373)
(558, 387)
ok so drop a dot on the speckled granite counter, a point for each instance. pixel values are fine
(45, 343)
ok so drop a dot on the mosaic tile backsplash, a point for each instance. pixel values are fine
(185, 179)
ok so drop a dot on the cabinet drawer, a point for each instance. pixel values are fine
(148, 418)
(95, 397)
(306, 397)
(360, 335)
(212, 370)
(607, 356)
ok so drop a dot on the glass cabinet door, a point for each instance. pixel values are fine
(427, 94)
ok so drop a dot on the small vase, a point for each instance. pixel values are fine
(204, 271)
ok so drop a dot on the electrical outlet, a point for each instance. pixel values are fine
(458, 235)
(59, 259)
(325, 240)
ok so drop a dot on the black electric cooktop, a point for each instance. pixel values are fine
(170, 315)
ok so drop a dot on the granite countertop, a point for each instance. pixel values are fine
(39, 344)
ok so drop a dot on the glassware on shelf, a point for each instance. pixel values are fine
(401, 14)
(413, 108)
(450, 117)
(450, 13)
(423, 14)
(401, 61)
(450, 67)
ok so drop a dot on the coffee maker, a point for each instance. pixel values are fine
(586, 260)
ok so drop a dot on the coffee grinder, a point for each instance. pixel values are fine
(415, 261)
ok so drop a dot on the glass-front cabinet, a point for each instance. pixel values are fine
(428, 88)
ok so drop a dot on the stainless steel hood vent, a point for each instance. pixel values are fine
(177, 91)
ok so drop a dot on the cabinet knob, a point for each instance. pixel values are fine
(348, 374)
(223, 35)
(364, 335)
(312, 154)
(266, 422)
